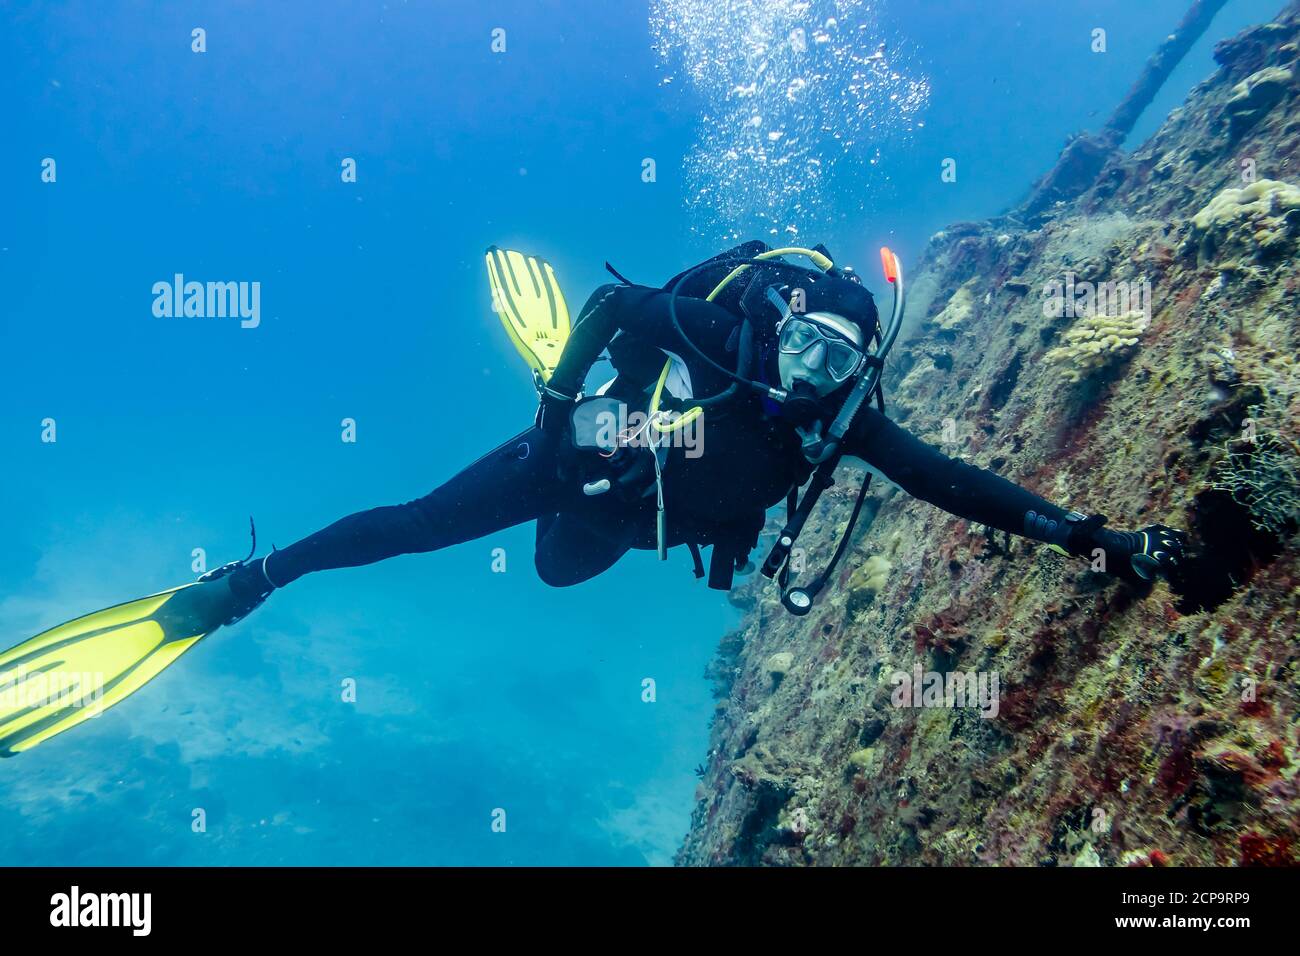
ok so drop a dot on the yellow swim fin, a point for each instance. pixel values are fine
(527, 297)
(77, 670)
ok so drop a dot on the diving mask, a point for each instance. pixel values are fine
(820, 349)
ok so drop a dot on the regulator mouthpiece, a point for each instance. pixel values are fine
(802, 405)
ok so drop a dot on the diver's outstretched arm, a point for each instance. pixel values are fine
(978, 494)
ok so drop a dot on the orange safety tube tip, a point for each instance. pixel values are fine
(889, 262)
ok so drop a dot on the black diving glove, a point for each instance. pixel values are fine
(1136, 556)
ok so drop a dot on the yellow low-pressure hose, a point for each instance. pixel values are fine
(686, 418)
(820, 260)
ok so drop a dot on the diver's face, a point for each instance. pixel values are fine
(815, 353)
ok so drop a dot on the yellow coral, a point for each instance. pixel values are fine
(1095, 341)
(871, 576)
(864, 759)
(959, 308)
(1259, 217)
(1264, 197)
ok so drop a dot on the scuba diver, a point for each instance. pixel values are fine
(739, 382)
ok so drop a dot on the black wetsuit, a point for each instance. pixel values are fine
(751, 458)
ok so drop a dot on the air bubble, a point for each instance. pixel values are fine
(775, 108)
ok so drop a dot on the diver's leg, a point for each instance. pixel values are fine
(571, 550)
(513, 483)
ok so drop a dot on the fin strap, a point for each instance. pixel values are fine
(616, 274)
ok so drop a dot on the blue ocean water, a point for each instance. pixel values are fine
(476, 690)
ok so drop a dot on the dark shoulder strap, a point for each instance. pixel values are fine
(702, 283)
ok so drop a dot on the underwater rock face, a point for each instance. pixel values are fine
(1129, 729)
(1256, 95)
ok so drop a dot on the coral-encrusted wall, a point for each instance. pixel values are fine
(1131, 728)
